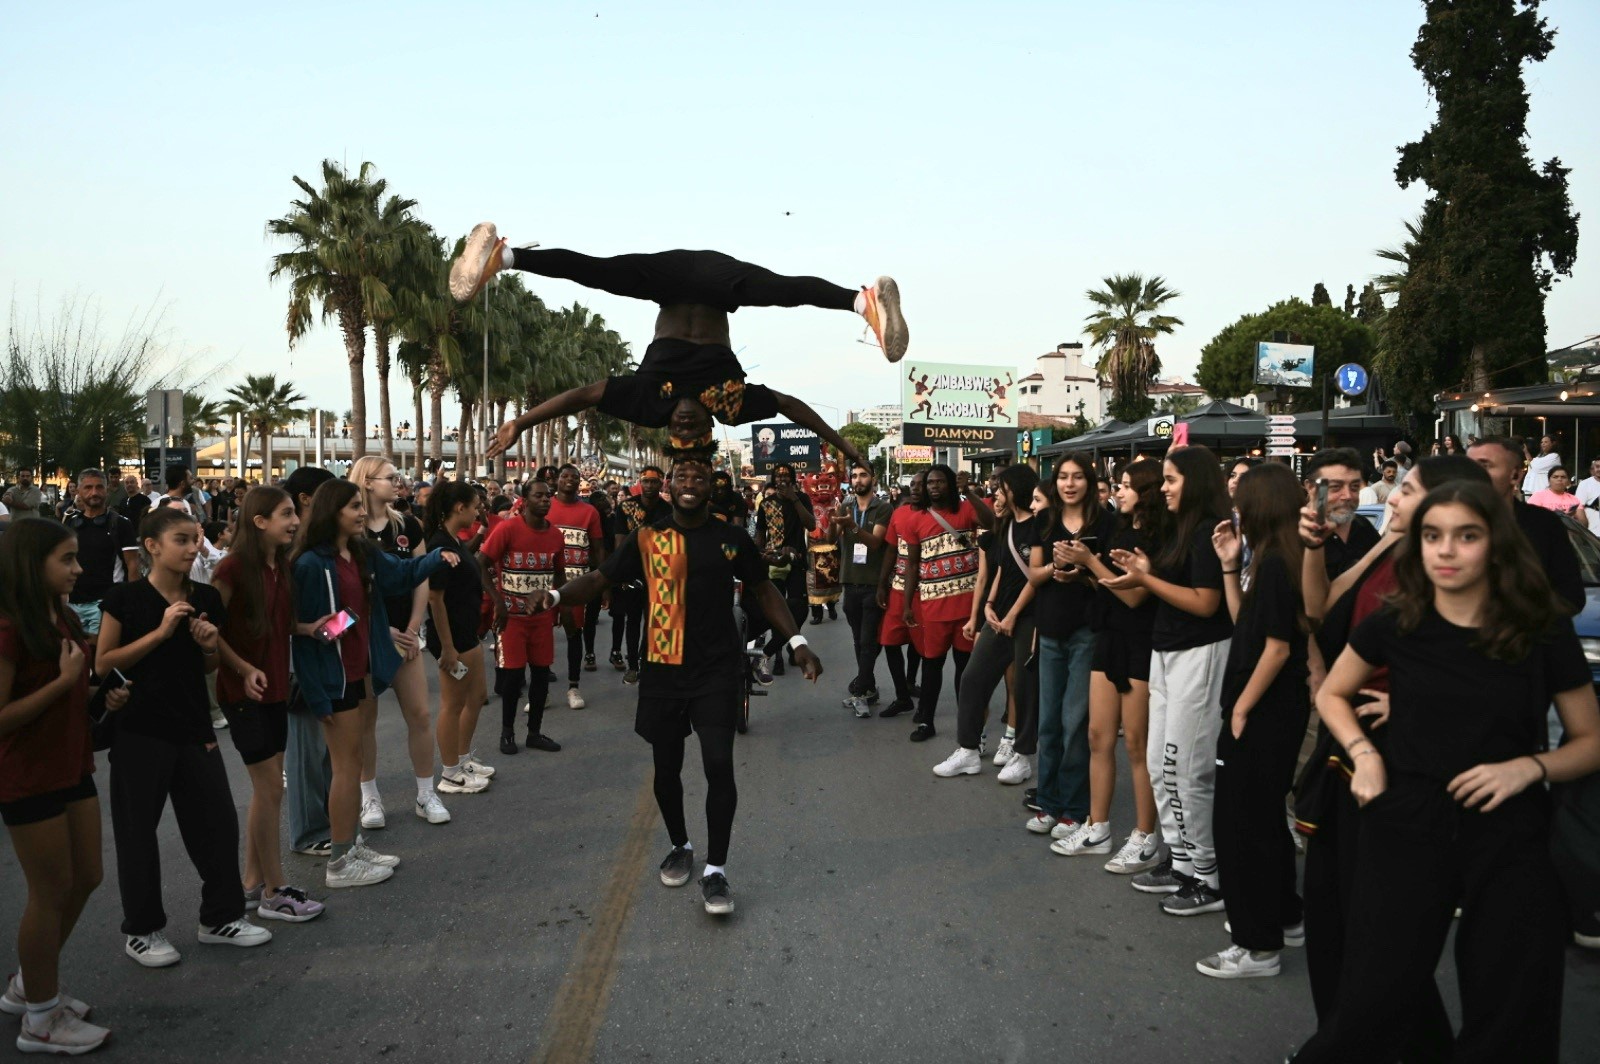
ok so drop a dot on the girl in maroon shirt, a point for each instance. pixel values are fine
(47, 794)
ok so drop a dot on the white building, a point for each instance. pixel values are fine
(1062, 385)
(884, 417)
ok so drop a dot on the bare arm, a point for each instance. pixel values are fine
(802, 414)
(571, 401)
(1268, 665)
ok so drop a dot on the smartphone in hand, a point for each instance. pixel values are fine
(1322, 500)
(336, 626)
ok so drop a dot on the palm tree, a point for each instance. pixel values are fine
(338, 260)
(267, 406)
(1178, 404)
(1125, 326)
(429, 318)
(402, 260)
(201, 417)
(1390, 283)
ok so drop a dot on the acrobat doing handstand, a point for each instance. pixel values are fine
(689, 375)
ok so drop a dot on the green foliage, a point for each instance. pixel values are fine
(267, 406)
(1178, 404)
(1124, 326)
(1320, 297)
(1227, 363)
(1495, 232)
(861, 435)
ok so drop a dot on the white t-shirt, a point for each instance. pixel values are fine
(1538, 477)
(1588, 491)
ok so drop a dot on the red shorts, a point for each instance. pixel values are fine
(932, 638)
(526, 641)
(892, 631)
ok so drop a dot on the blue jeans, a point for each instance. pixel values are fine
(306, 764)
(1064, 724)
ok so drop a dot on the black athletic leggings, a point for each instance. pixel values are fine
(794, 593)
(901, 673)
(706, 278)
(508, 685)
(627, 616)
(722, 796)
(591, 621)
(933, 682)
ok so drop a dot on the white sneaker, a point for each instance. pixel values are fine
(1041, 823)
(1090, 838)
(1065, 828)
(349, 871)
(372, 817)
(14, 1002)
(1140, 853)
(574, 699)
(61, 1032)
(1293, 934)
(963, 762)
(432, 810)
(236, 933)
(859, 707)
(1018, 770)
(362, 852)
(466, 783)
(152, 950)
(1236, 962)
(1003, 752)
(471, 764)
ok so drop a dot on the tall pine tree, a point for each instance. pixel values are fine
(1496, 231)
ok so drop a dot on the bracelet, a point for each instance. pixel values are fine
(555, 593)
(1363, 741)
(1308, 546)
(1374, 753)
(797, 641)
(1544, 773)
(1230, 572)
(208, 653)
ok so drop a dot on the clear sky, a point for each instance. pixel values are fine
(998, 159)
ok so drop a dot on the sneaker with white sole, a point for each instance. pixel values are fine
(1195, 897)
(963, 762)
(1065, 828)
(1041, 823)
(859, 707)
(1019, 769)
(14, 1003)
(1159, 878)
(316, 849)
(239, 932)
(1088, 839)
(1236, 962)
(252, 897)
(1003, 752)
(880, 306)
(714, 891)
(350, 871)
(1293, 934)
(479, 260)
(464, 783)
(152, 950)
(432, 810)
(574, 699)
(372, 814)
(470, 763)
(1140, 853)
(60, 1032)
(362, 852)
(291, 905)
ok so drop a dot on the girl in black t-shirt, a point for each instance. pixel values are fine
(455, 600)
(1006, 637)
(1189, 646)
(162, 634)
(1119, 680)
(399, 535)
(1266, 705)
(1454, 811)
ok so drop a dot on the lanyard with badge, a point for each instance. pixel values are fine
(858, 552)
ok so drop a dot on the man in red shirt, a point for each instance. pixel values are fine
(579, 523)
(521, 558)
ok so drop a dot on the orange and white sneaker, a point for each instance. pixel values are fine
(881, 308)
(479, 260)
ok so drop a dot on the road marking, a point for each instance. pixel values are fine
(580, 1006)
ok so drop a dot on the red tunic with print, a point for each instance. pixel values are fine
(948, 573)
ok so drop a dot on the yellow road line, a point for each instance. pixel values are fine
(580, 1006)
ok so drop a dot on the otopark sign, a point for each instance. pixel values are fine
(945, 404)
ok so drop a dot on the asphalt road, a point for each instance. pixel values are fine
(883, 915)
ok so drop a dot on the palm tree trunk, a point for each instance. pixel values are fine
(355, 350)
(500, 463)
(380, 351)
(464, 441)
(436, 386)
(522, 449)
(416, 429)
(561, 435)
(265, 428)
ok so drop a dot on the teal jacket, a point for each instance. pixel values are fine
(317, 666)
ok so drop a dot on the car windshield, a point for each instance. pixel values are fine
(1587, 548)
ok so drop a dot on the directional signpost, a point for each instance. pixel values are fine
(1280, 435)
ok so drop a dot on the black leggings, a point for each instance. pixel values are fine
(574, 656)
(627, 616)
(722, 796)
(508, 685)
(706, 278)
(794, 593)
(895, 657)
(933, 681)
(591, 621)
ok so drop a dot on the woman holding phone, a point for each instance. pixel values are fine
(340, 580)
(48, 799)
(455, 602)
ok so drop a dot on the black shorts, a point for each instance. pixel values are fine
(467, 624)
(259, 729)
(1122, 656)
(661, 717)
(39, 807)
(354, 692)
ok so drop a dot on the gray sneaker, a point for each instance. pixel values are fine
(678, 867)
(859, 707)
(1196, 897)
(1158, 880)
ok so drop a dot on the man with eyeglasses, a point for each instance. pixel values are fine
(1353, 535)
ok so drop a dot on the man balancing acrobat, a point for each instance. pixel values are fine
(689, 374)
(693, 669)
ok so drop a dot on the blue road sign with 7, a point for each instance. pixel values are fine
(1351, 378)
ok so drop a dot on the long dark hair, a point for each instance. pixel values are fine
(1019, 480)
(950, 478)
(25, 601)
(321, 527)
(1150, 514)
(1203, 503)
(250, 589)
(1269, 499)
(1052, 495)
(1520, 605)
(445, 498)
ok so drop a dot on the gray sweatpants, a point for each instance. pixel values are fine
(1185, 719)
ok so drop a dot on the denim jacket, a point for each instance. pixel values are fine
(317, 665)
